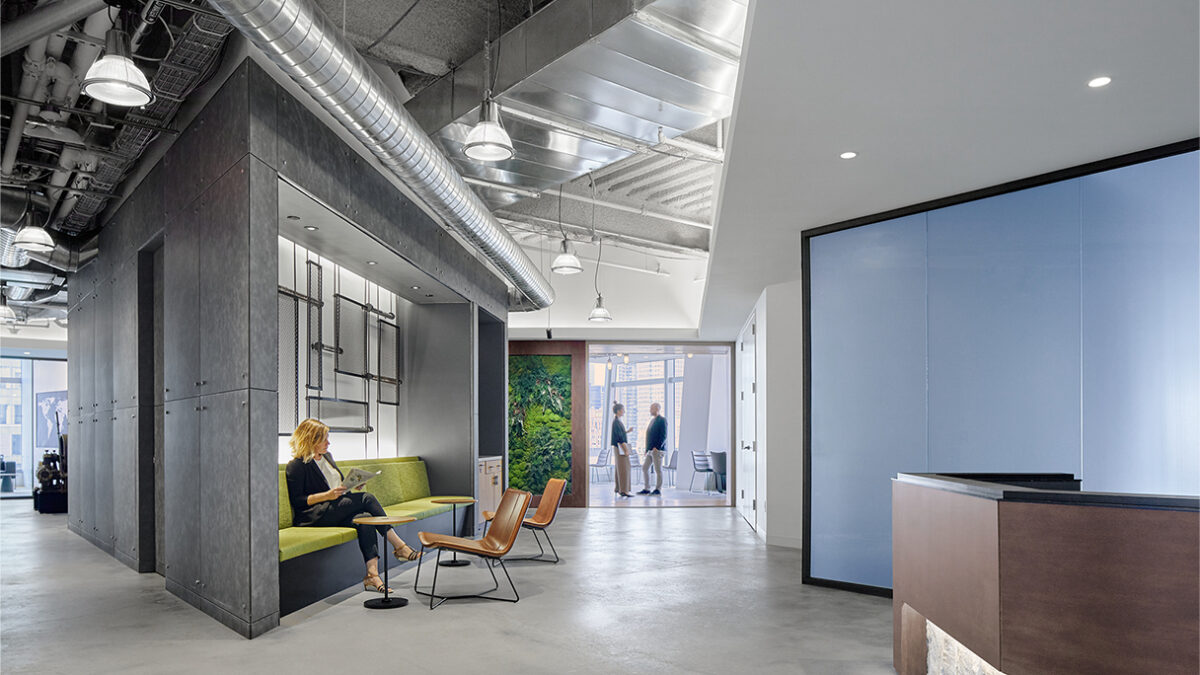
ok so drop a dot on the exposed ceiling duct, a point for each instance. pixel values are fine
(298, 38)
(584, 84)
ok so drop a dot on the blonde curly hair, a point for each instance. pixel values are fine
(307, 438)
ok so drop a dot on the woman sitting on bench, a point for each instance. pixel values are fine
(319, 500)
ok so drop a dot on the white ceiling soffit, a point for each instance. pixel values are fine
(619, 71)
(937, 98)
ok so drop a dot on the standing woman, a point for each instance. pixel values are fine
(315, 491)
(621, 450)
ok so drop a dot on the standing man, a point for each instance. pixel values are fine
(656, 443)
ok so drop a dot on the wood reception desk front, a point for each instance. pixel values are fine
(1036, 580)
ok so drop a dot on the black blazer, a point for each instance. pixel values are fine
(304, 479)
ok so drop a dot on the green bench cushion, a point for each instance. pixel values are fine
(402, 488)
(417, 508)
(297, 541)
(402, 478)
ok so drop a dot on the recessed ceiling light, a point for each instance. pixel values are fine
(416, 288)
(372, 262)
(293, 217)
(1099, 81)
(848, 155)
(28, 353)
(311, 228)
(429, 295)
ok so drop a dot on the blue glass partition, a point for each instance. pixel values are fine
(1054, 329)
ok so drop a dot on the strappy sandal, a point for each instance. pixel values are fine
(378, 586)
(401, 553)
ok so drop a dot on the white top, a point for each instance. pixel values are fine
(331, 474)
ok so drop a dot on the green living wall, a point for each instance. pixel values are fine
(539, 421)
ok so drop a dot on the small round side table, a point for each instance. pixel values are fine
(387, 601)
(454, 502)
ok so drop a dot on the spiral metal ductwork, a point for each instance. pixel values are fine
(301, 40)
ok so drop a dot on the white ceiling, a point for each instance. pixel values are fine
(938, 97)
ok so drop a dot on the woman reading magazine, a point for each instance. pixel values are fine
(318, 498)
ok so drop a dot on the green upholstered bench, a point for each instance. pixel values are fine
(402, 488)
(316, 562)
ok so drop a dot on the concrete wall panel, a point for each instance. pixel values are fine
(222, 214)
(224, 510)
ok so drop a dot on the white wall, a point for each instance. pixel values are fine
(779, 367)
(383, 441)
(644, 306)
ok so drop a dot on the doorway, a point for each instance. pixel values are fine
(692, 385)
(747, 426)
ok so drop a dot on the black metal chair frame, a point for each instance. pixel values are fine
(541, 556)
(432, 593)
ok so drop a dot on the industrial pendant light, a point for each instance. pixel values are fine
(566, 262)
(114, 78)
(599, 313)
(33, 238)
(487, 140)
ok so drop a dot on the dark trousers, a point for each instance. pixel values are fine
(350, 506)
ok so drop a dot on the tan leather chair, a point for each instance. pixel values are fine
(492, 547)
(547, 509)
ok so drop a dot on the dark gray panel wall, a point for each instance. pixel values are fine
(125, 502)
(224, 513)
(102, 327)
(181, 304)
(437, 403)
(181, 490)
(221, 217)
(124, 334)
(102, 441)
(493, 386)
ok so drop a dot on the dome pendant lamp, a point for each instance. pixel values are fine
(487, 140)
(599, 313)
(33, 238)
(114, 78)
(566, 262)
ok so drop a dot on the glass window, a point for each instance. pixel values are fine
(33, 412)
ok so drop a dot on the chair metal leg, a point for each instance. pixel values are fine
(433, 595)
(541, 556)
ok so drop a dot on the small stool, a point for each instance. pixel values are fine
(387, 601)
(454, 502)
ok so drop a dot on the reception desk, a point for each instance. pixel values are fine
(1034, 576)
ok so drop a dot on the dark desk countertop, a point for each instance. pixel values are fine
(1013, 487)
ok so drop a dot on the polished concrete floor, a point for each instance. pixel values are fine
(638, 590)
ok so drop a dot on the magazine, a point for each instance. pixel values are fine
(356, 478)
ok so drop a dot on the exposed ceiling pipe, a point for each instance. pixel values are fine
(69, 258)
(640, 210)
(26, 296)
(693, 147)
(511, 189)
(48, 18)
(34, 63)
(524, 220)
(301, 40)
